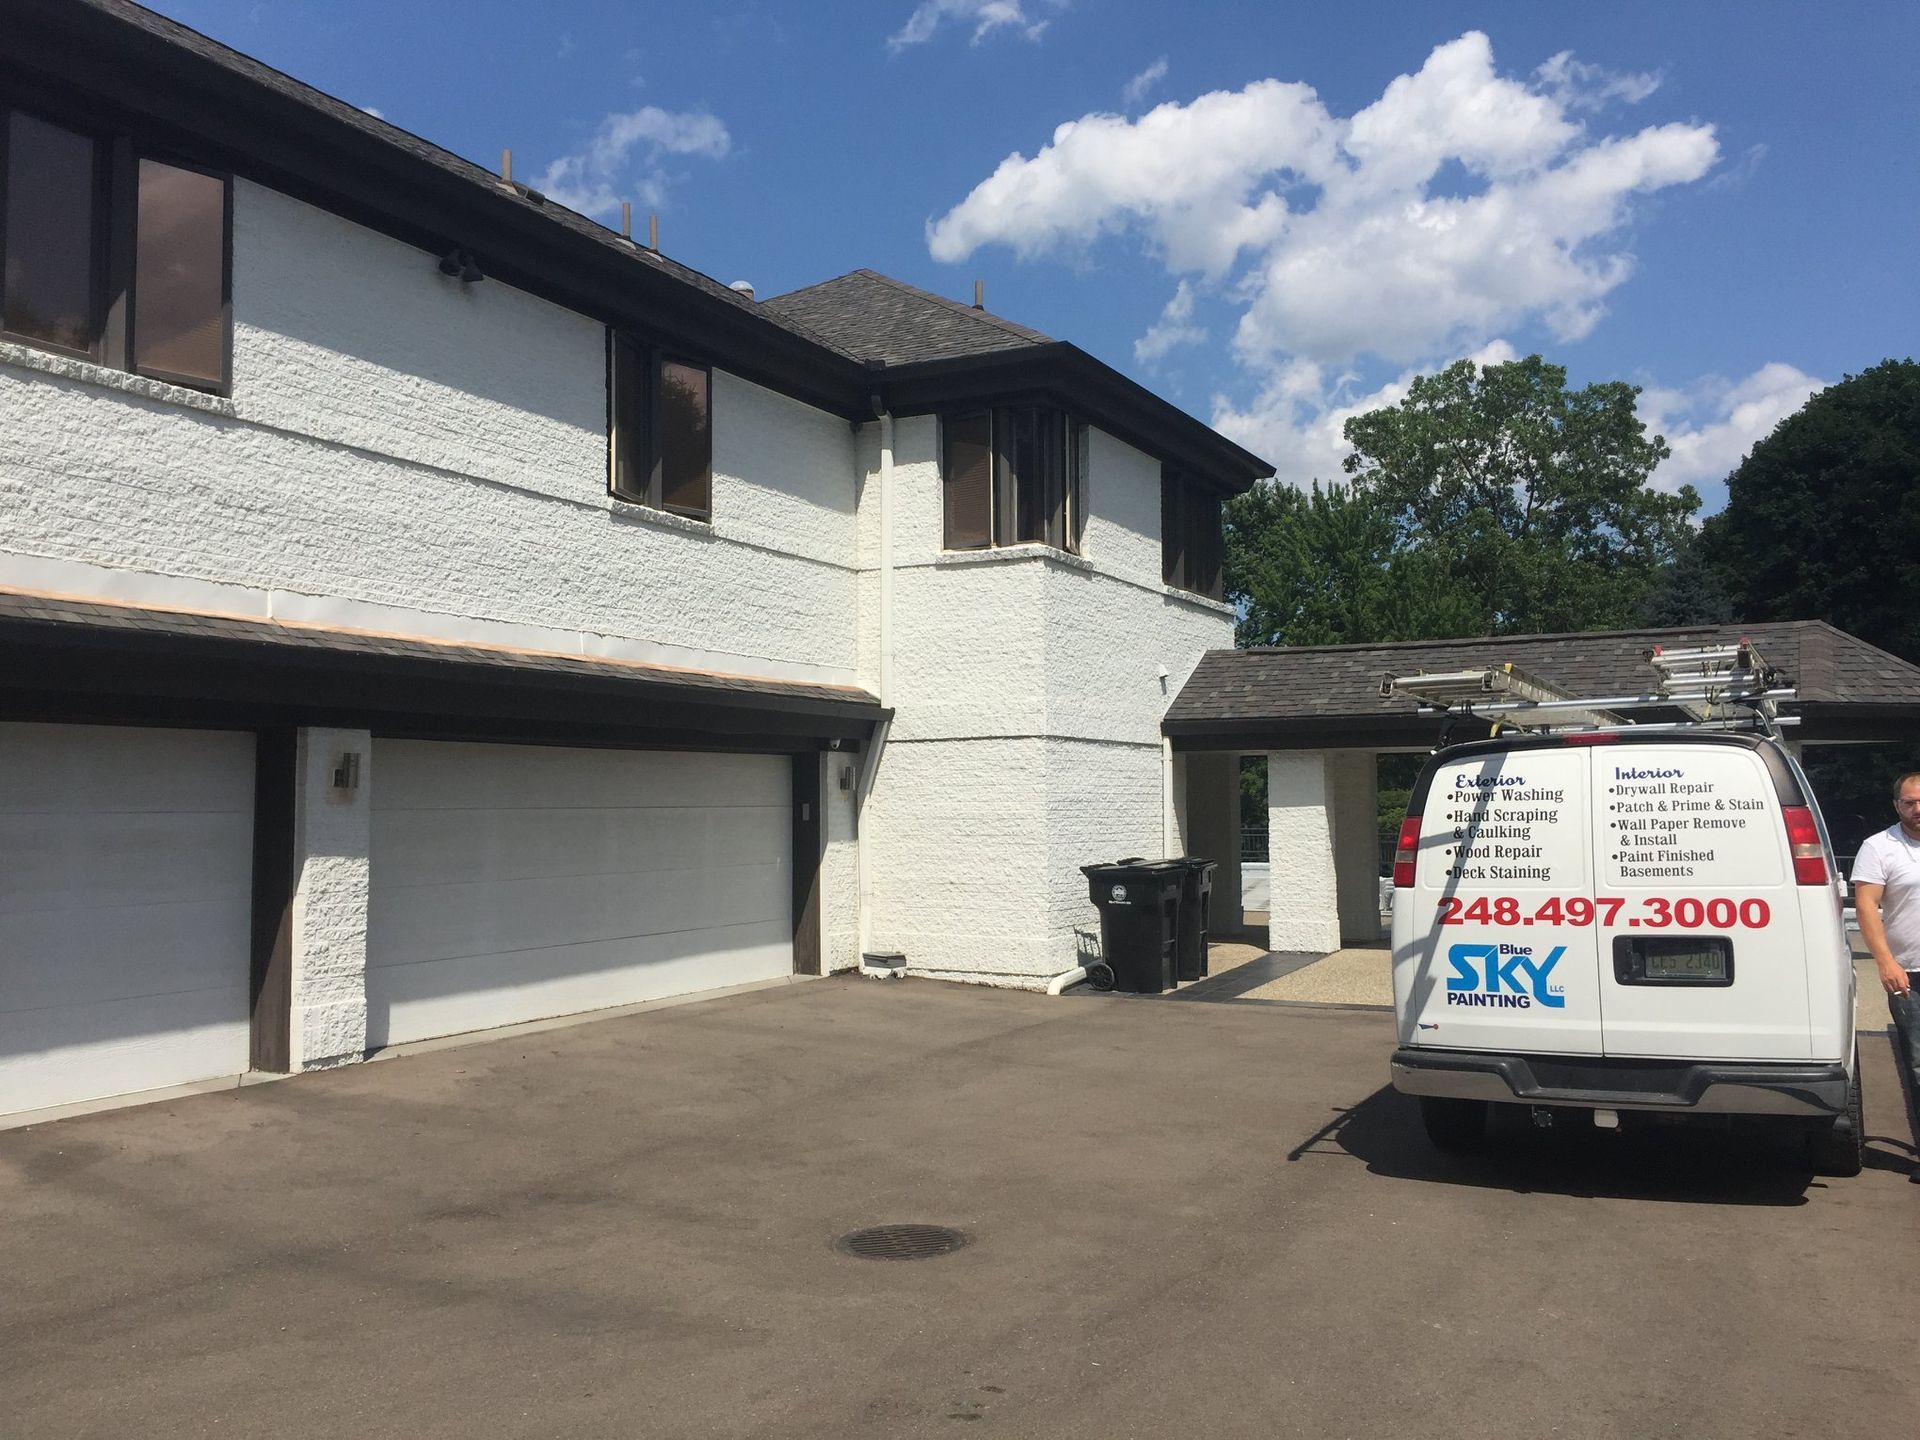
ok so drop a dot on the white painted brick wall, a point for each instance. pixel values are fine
(1302, 913)
(403, 440)
(332, 838)
(1028, 737)
(840, 866)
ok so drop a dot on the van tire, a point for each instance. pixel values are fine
(1838, 1146)
(1453, 1124)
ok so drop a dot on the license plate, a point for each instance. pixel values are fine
(1706, 963)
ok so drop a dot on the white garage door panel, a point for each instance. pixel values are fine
(70, 1053)
(436, 775)
(513, 883)
(478, 992)
(424, 848)
(58, 862)
(126, 860)
(120, 952)
(439, 921)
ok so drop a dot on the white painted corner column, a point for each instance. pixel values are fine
(1303, 911)
(332, 826)
(1354, 778)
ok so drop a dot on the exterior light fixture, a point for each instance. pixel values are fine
(460, 264)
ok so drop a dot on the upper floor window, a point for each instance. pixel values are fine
(114, 255)
(1013, 476)
(1190, 539)
(661, 437)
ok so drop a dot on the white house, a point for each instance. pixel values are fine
(422, 609)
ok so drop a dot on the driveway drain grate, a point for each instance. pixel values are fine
(901, 1242)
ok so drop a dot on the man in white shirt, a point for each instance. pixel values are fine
(1886, 897)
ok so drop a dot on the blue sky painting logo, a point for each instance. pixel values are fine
(1503, 976)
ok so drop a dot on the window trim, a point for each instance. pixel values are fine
(650, 360)
(1064, 526)
(114, 244)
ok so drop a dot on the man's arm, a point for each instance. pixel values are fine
(1866, 906)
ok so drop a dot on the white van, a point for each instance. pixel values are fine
(1623, 923)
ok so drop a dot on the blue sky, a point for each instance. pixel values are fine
(1274, 214)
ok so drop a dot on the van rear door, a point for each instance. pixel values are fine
(1497, 949)
(1700, 935)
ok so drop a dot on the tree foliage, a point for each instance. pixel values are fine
(1532, 497)
(1323, 567)
(1823, 516)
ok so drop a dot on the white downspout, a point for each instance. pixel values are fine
(870, 761)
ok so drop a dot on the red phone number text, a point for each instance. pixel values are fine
(1651, 912)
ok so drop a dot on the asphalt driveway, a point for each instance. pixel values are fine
(1188, 1219)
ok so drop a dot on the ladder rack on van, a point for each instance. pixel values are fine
(1717, 687)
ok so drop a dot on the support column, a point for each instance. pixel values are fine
(1303, 911)
(332, 831)
(1354, 778)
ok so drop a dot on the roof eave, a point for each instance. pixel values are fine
(1064, 373)
(293, 144)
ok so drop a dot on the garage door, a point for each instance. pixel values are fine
(515, 882)
(126, 862)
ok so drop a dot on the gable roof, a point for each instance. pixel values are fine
(874, 317)
(1328, 696)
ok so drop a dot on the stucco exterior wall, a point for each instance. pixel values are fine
(1030, 688)
(1352, 776)
(333, 876)
(408, 453)
(1303, 913)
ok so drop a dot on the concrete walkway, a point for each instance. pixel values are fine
(1187, 1219)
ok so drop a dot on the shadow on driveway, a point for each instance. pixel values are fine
(1696, 1162)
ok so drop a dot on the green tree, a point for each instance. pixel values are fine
(1327, 566)
(1533, 498)
(1823, 516)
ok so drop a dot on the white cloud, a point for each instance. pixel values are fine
(623, 159)
(1711, 425)
(1174, 327)
(985, 16)
(1461, 207)
(1137, 88)
(1184, 175)
(1579, 86)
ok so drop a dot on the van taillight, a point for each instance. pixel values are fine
(1809, 858)
(1404, 852)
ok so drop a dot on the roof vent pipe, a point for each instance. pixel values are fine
(979, 294)
(626, 220)
(506, 166)
(653, 233)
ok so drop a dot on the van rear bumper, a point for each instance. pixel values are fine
(1710, 1087)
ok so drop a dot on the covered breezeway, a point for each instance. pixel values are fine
(1316, 714)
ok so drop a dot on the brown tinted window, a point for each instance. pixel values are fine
(1173, 530)
(1204, 544)
(49, 237)
(967, 468)
(686, 439)
(179, 276)
(630, 477)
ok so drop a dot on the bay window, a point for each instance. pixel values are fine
(1013, 475)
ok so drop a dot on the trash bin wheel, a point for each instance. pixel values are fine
(1100, 976)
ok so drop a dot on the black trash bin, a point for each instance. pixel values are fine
(1139, 904)
(1196, 917)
